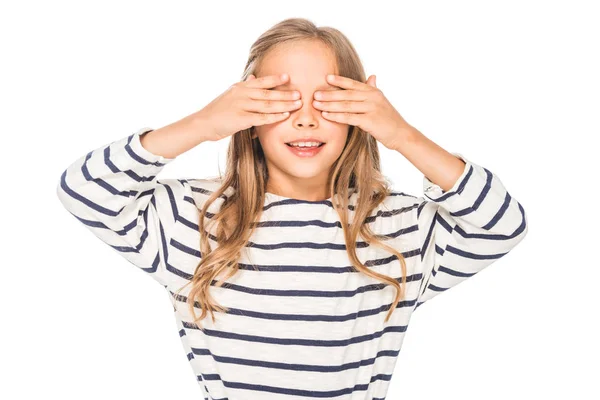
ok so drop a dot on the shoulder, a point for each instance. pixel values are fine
(397, 213)
(201, 189)
(204, 185)
(398, 200)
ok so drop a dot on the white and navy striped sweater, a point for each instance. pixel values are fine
(305, 325)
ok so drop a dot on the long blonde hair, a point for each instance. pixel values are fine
(356, 170)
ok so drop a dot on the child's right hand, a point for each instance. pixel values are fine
(248, 103)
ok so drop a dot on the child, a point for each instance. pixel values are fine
(309, 265)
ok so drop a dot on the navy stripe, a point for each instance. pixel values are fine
(297, 306)
(298, 341)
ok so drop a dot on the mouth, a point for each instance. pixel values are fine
(308, 148)
(305, 151)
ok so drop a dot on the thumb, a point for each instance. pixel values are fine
(371, 81)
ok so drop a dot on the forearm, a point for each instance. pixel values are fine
(438, 165)
(176, 138)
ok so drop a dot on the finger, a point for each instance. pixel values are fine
(340, 95)
(261, 88)
(372, 82)
(269, 81)
(347, 83)
(272, 94)
(264, 119)
(343, 118)
(271, 106)
(357, 107)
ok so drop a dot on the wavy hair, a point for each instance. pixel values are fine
(357, 170)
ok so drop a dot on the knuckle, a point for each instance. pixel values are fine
(235, 88)
(238, 104)
(266, 93)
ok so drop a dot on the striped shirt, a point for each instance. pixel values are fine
(302, 323)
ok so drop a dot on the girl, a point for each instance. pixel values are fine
(309, 265)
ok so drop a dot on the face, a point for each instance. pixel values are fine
(290, 175)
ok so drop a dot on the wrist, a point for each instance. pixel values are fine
(405, 136)
(201, 125)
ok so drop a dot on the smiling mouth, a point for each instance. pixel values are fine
(305, 147)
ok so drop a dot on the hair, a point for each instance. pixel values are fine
(357, 170)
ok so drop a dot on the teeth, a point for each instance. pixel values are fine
(305, 144)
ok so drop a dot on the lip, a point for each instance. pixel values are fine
(306, 140)
(300, 152)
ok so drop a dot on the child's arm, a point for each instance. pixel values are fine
(114, 192)
(465, 229)
(174, 139)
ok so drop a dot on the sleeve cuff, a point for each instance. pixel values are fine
(466, 190)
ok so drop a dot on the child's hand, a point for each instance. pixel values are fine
(248, 103)
(362, 105)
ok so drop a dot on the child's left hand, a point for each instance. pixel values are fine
(365, 106)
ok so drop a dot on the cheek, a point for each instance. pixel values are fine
(337, 148)
(340, 138)
(267, 130)
(267, 136)
(272, 148)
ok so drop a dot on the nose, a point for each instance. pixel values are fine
(306, 116)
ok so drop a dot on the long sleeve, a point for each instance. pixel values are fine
(114, 192)
(465, 229)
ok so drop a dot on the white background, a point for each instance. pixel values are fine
(514, 86)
